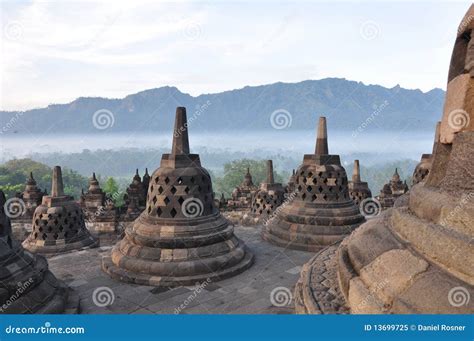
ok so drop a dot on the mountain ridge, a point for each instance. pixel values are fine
(346, 103)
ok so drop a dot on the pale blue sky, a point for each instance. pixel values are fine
(54, 52)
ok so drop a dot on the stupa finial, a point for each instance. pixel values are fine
(180, 135)
(57, 188)
(270, 178)
(356, 172)
(322, 138)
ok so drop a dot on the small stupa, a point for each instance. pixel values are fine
(290, 187)
(100, 212)
(242, 194)
(31, 196)
(391, 191)
(269, 196)
(423, 168)
(135, 198)
(415, 258)
(320, 212)
(180, 238)
(58, 223)
(26, 284)
(358, 190)
(145, 183)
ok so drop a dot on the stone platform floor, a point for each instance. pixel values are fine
(275, 270)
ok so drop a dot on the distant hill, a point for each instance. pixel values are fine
(347, 104)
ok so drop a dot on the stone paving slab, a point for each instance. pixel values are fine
(246, 293)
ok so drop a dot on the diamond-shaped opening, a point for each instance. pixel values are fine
(179, 181)
(166, 200)
(160, 189)
(199, 188)
(309, 188)
(157, 179)
(167, 180)
(325, 180)
(192, 179)
(340, 188)
(155, 199)
(330, 189)
(303, 196)
(173, 190)
(151, 188)
(320, 189)
(56, 236)
(159, 211)
(325, 197)
(302, 173)
(314, 197)
(180, 200)
(186, 189)
(173, 212)
(44, 236)
(40, 229)
(305, 180)
(300, 188)
(61, 228)
(149, 209)
(310, 174)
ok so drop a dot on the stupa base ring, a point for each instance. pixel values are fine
(49, 250)
(316, 291)
(304, 241)
(172, 281)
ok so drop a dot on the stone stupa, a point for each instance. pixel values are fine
(242, 194)
(26, 284)
(290, 187)
(269, 196)
(58, 223)
(423, 168)
(358, 189)
(180, 238)
(391, 191)
(32, 197)
(100, 212)
(135, 198)
(416, 258)
(320, 211)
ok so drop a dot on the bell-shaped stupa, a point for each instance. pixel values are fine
(26, 284)
(269, 196)
(180, 238)
(58, 223)
(358, 189)
(415, 258)
(320, 211)
(242, 194)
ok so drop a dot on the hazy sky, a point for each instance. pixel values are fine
(56, 51)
